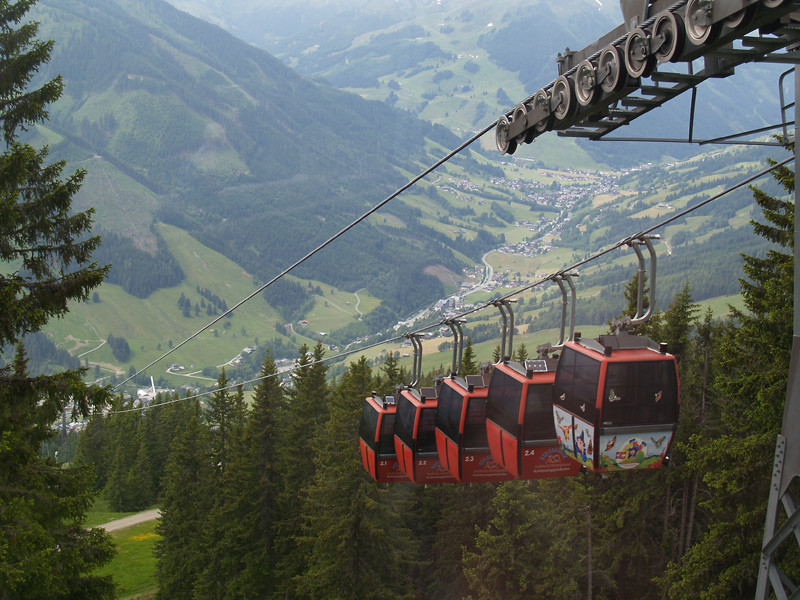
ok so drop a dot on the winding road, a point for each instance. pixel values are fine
(488, 274)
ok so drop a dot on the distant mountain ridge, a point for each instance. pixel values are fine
(462, 63)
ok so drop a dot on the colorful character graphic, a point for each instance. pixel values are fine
(611, 443)
(658, 396)
(580, 446)
(612, 397)
(634, 451)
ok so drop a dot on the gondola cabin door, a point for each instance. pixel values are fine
(519, 421)
(415, 437)
(615, 402)
(461, 431)
(376, 439)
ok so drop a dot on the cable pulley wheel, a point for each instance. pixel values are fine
(699, 28)
(609, 69)
(639, 61)
(526, 137)
(586, 87)
(542, 100)
(740, 16)
(669, 30)
(504, 145)
(564, 95)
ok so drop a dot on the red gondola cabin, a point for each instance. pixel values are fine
(519, 420)
(415, 437)
(461, 431)
(376, 439)
(615, 402)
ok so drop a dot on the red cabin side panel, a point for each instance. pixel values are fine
(503, 447)
(448, 454)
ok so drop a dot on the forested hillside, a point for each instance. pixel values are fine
(271, 501)
(193, 127)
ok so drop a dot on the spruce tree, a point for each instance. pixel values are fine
(496, 354)
(356, 543)
(220, 418)
(260, 485)
(542, 520)
(185, 504)
(734, 454)
(224, 528)
(304, 414)
(469, 365)
(45, 252)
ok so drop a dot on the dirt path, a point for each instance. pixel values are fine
(142, 517)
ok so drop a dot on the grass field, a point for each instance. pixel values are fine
(134, 567)
(154, 324)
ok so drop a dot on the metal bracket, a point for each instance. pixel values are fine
(634, 12)
(458, 342)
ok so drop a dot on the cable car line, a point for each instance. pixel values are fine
(491, 303)
(533, 117)
(257, 379)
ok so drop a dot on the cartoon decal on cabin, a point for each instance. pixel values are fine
(574, 436)
(642, 451)
(617, 452)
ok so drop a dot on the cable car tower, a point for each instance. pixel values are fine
(618, 78)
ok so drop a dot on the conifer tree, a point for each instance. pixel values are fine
(140, 475)
(461, 511)
(224, 531)
(675, 326)
(529, 521)
(259, 486)
(304, 414)
(496, 354)
(45, 252)
(93, 448)
(45, 552)
(122, 448)
(185, 504)
(630, 293)
(392, 376)
(357, 546)
(469, 365)
(735, 458)
(220, 418)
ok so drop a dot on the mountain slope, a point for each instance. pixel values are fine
(221, 139)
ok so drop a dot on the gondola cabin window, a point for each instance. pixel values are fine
(449, 409)
(576, 383)
(506, 396)
(638, 393)
(426, 436)
(404, 425)
(386, 441)
(475, 424)
(538, 423)
(369, 424)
